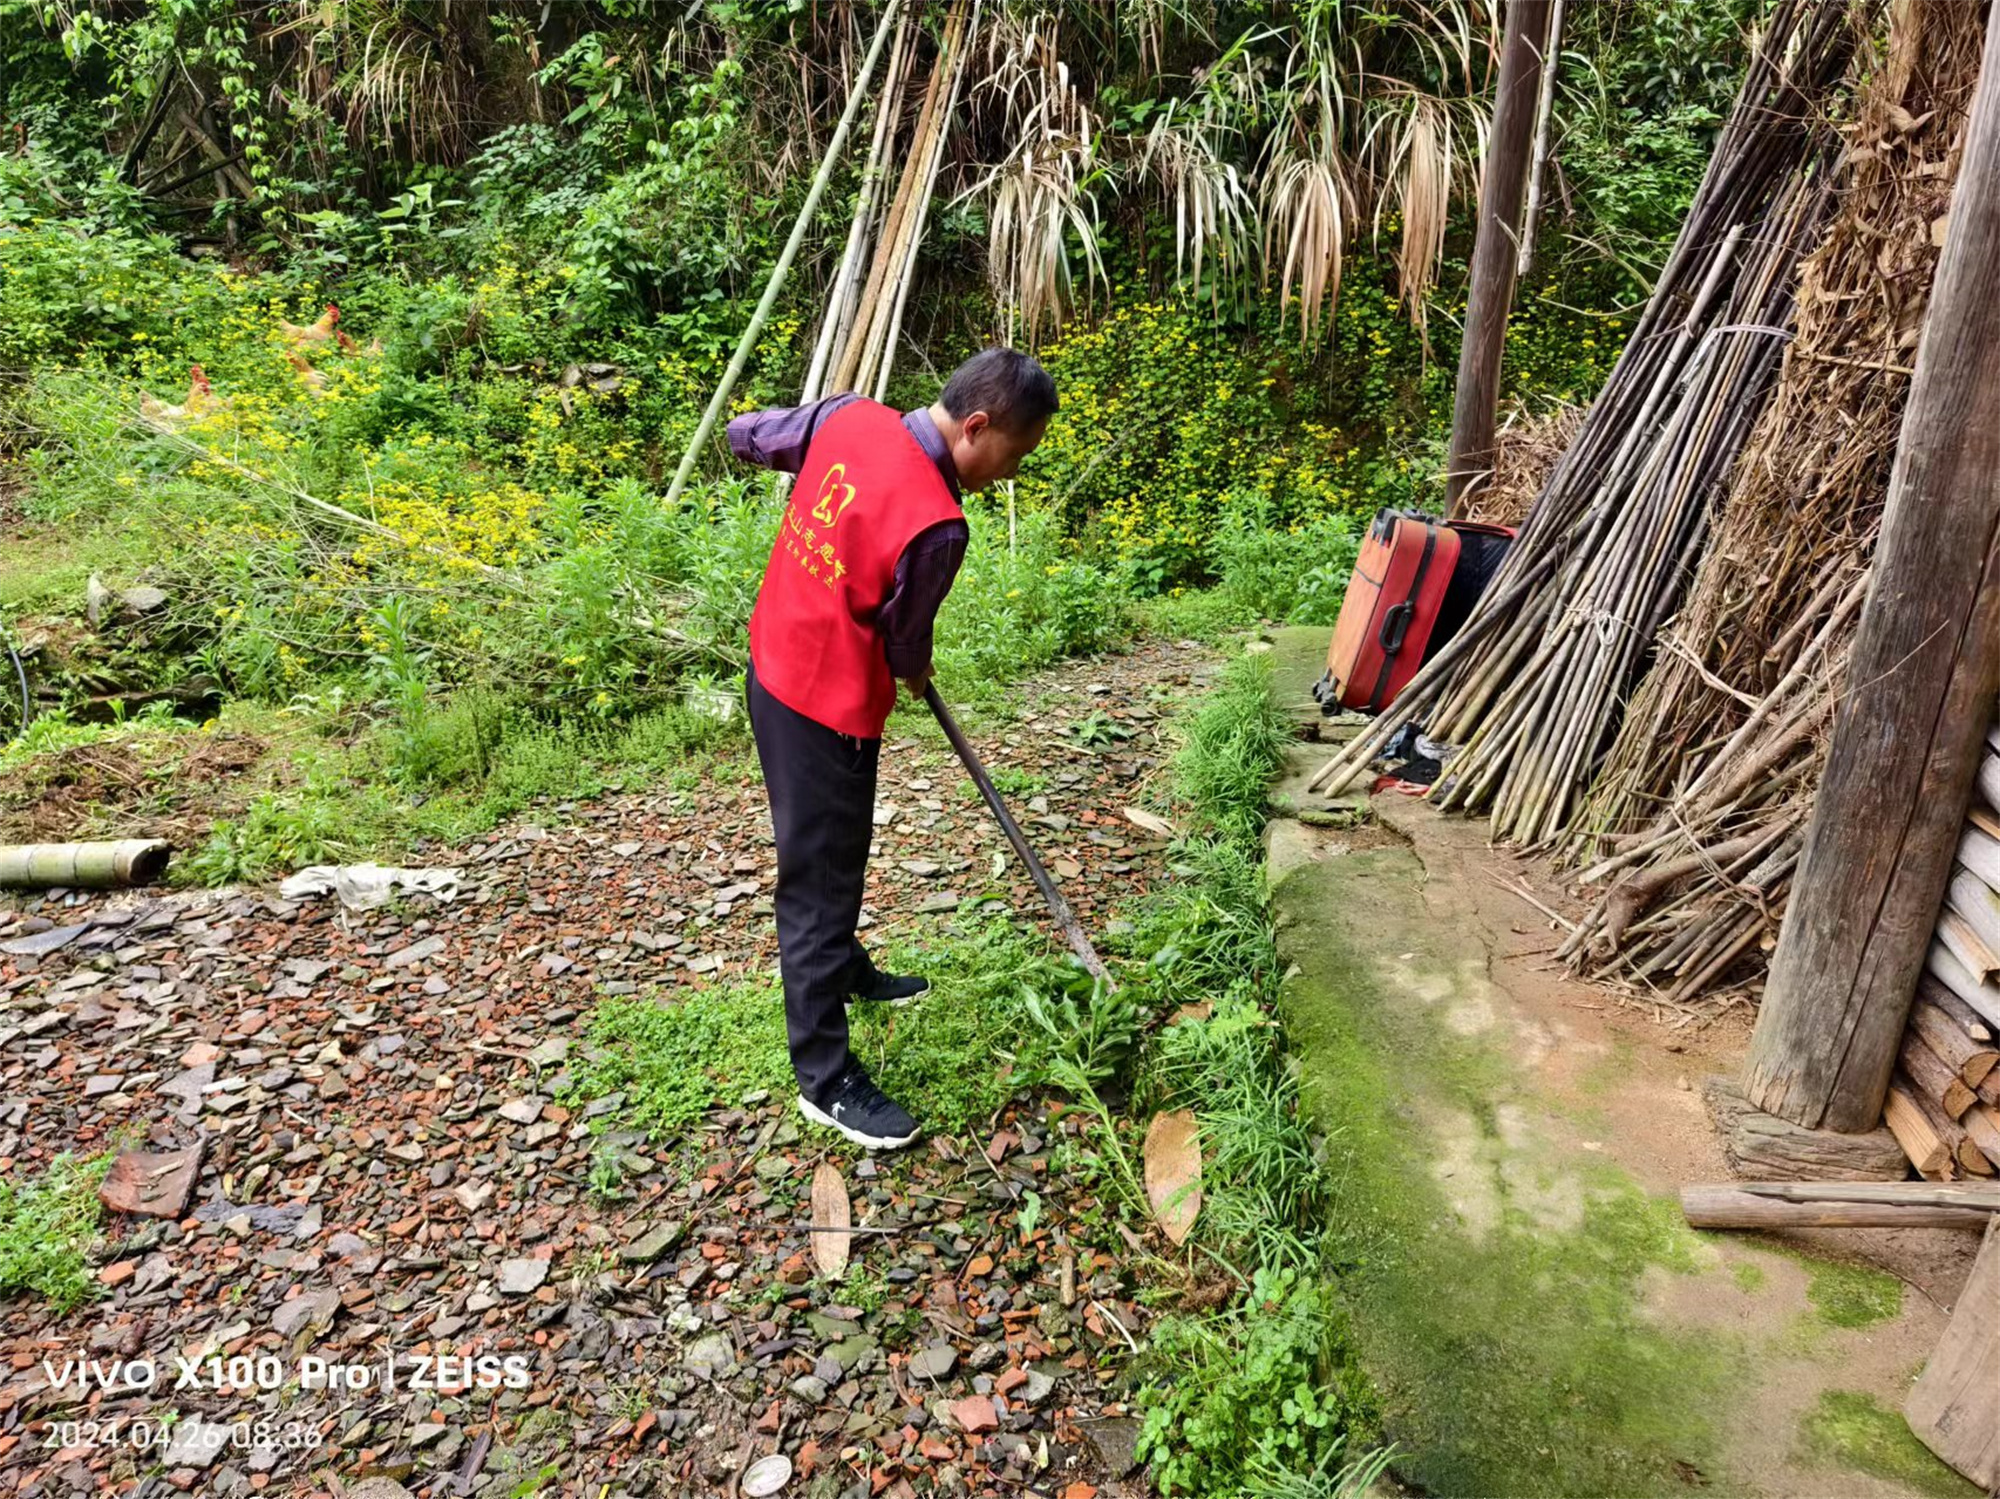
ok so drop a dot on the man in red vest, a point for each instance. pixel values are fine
(867, 549)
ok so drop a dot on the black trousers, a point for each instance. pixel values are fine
(822, 789)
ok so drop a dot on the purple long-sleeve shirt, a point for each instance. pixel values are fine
(778, 437)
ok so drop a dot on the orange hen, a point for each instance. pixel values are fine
(316, 332)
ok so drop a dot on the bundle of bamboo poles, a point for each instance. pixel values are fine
(1532, 686)
(856, 345)
(1697, 818)
(1944, 1100)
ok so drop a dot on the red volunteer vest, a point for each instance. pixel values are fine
(866, 489)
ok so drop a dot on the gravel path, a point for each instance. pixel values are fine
(382, 1171)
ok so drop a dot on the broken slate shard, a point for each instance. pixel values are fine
(151, 1185)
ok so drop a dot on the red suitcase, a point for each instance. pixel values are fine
(1414, 584)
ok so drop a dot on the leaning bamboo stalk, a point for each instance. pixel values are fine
(900, 248)
(1544, 113)
(960, 66)
(785, 257)
(840, 296)
(848, 372)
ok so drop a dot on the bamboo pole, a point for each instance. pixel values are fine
(778, 272)
(960, 64)
(82, 866)
(1544, 113)
(840, 296)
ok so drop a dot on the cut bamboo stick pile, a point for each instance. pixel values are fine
(1533, 685)
(1726, 734)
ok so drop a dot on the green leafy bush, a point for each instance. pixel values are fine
(1241, 1399)
(1296, 573)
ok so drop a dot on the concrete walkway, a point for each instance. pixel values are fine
(1508, 1143)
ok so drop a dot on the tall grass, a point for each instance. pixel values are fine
(1265, 1396)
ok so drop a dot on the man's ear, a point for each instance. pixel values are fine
(974, 423)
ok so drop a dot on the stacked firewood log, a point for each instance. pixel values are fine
(1944, 1103)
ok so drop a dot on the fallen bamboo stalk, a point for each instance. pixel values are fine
(83, 866)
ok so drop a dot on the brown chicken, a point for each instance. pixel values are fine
(316, 332)
(200, 398)
(312, 379)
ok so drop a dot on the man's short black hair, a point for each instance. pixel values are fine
(1012, 389)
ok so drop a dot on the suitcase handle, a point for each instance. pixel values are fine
(1395, 624)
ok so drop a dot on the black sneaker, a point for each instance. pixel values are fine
(873, 986)
(861, 1111)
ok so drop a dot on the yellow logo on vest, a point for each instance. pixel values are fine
(825, 510)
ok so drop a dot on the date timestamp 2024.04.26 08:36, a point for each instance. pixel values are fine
(193, 1437)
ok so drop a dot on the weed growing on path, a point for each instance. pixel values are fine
(1264, 1396)
(47, 1226)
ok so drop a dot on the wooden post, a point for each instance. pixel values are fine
(1496, 250)
(1954, 1407)
(1920, 689)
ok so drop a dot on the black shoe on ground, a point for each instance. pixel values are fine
(873, 986)
(861, 1111)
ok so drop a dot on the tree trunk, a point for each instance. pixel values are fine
(1922, 676)
(1495, 254)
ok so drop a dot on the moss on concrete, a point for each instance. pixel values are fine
(1848, 1429)
(1509, 1341)
(1852, 1295)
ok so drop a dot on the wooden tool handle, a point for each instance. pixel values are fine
(1058, 907)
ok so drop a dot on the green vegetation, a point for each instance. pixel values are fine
(418, 549)
(1266, 1396)
(1851, 1430)
(48, 1226)
(1852, 1295)
(1585, 1395)
(429, 529)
